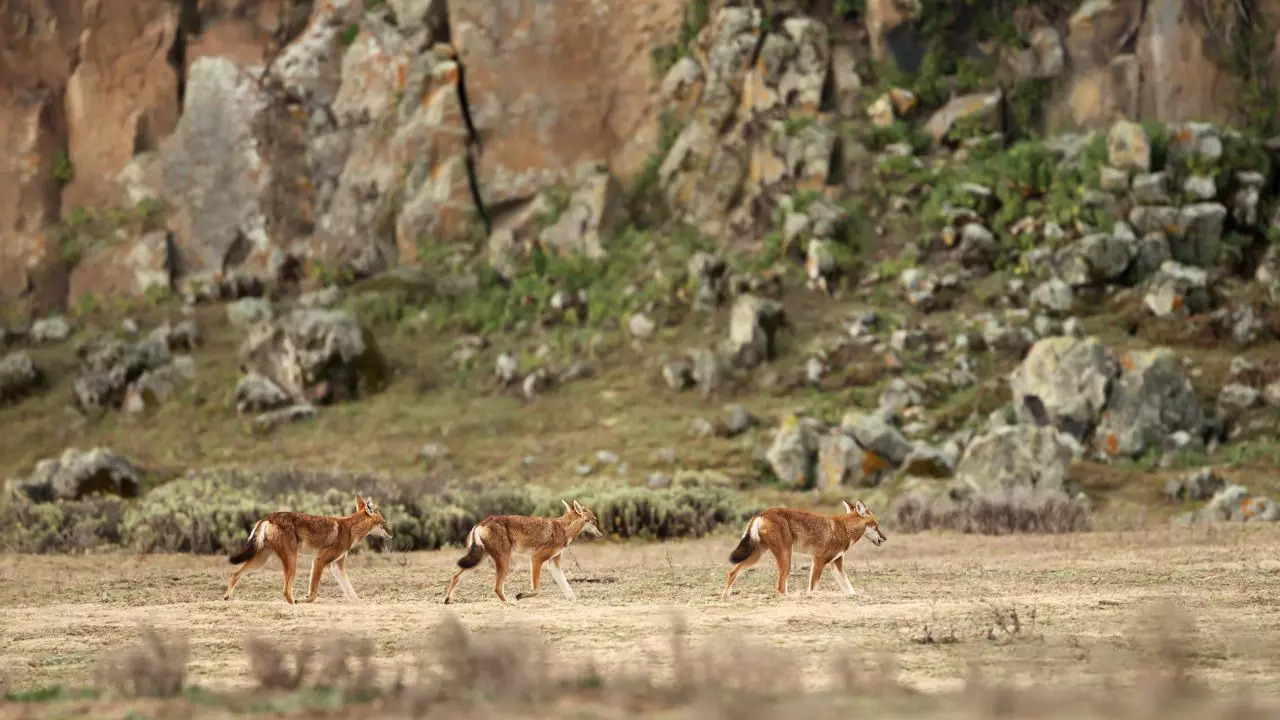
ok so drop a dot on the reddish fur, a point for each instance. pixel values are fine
(543, 538)
(781, 530)
(285, 533)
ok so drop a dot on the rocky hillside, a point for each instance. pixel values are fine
(933, 251)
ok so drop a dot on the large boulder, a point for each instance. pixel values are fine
(1152, 399)
(842, 461)
(110, 365)
(75, 474)
(315, 356)
(1018, 456)
(1064, 382)
(793, 453)
(753, 327)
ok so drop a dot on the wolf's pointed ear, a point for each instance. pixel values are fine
(847, 506)
(360, 504)
(566, 505)
(859, 507)
(577, 507)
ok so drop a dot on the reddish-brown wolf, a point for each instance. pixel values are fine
(328, 539)
(540, 538)
(824, 538)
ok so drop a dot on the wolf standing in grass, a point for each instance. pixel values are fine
(540, 538)
(824, 538)
(327, 538)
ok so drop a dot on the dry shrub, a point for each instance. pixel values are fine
(155, 667)
(995, 512)
(493, 673)
(505, 666)
(277, 668)
(341, 663)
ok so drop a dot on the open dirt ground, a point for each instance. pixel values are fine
(1081, 601)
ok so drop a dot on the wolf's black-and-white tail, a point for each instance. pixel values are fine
(251, 546)
(750, 540)
(475, 549)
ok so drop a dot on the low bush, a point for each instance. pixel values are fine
(69, 526)
(995, 512)
(213, 511)
(154, 667)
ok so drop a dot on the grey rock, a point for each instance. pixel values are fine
(736, 420)
(75, 474)
(19, 377)
(327, 297)
(249, 311)
(1177, 289)
(1154, 218)
(1152, 189)
(1053, 295)
(255, 394)
(1152, 399)
(1200, 187)
(1152, 251)
(1064, 382)
(875, 433)
(1018, 456)
(316, 356)
(1236, 397)
(793, 453)
(841, 461)
(273, 419)
(641, 326)
(753, 325)
(678, 374)
(1199, 240)
(49, 330)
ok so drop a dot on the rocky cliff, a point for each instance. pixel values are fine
(179, 144)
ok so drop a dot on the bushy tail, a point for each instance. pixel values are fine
(750, 540)
(251, 546)
(475, 550)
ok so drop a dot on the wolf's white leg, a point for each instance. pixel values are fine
(558, 575)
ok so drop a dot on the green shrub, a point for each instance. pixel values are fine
(69, 526)
(213, 512)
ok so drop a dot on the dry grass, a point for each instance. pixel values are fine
(933, 610)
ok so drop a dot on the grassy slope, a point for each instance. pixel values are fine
(624, 408)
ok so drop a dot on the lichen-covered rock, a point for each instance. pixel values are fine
(76, 474)
(1128, 146)
(1053, 295)
(1177, 289)
(1198, 240)
(1018, 456)
(49, 330)
(1064, 382)
(19, 376)
(110, 365)
(753, 326)
(315, 356)
(1095, 258)
(793, 453)
(841, 461)
(156, 387)
(1152, 399)
(877, 435)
